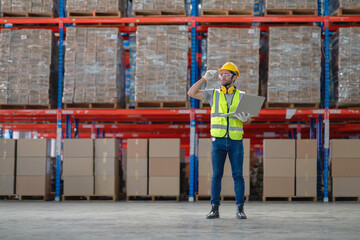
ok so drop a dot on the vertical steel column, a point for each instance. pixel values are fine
(68, 127)
(59, 102)
(319, 140)
(193, 102)
(312, 127)
(76, 130)
(1, 133)
(326, 117)
(10, 132)
(93, 130)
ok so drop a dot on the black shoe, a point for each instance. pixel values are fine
(240, 214)
(214, 213)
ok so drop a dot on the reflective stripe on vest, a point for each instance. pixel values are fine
(219, 124)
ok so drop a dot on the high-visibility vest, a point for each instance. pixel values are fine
(221, 125)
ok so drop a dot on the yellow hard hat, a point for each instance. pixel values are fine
(230, 67)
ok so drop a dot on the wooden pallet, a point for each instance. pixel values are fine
(160, 104)
(219, 12)
(291, 12)
(99, 24)
(92, 105)
(17, 197)
(303, 199)
(94, 14)
(266, 199)
(9, 197)
(348, 12)
(152, 198)
(346, 199)
(25, 106)
(345, 106)
(204, 105)
(199, 198)
(158, 13)
(27, 14)
(270, 105)
(90, 197)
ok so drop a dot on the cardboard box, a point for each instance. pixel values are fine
(107, 148)
(7, 148)
(279, 148)
(306, 187)
(106, 185)
(78, 166)
(79, 148)
(306, 167)
(227, 186)
(33, 148)
(279, 187)
(7, 185)
(7, 166)
(137, 167)
(164, 167)
(164, 186)
(136, 186)
(205, 148)
(205, 166)
(306, 148)
(246, 142)
(33, 185)
(279, 167)
(164, 147)
(137, 148)
(204, 188)
(345, 148)
(78, 185)
(346, 186)
(345, 167)
(33, 166)
(106, 167)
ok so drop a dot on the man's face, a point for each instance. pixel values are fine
(226, 77)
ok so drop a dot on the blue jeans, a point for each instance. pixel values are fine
(219, 149)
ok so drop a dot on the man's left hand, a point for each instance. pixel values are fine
(244, 117)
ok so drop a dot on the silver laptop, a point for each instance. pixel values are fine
(248, 104)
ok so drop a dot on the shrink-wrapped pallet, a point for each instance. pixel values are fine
(96, 5)
(38, 6)
(158, 5)
(228, 4)
(161, 63)
(336, 5)
(94, 66)
(291, 4)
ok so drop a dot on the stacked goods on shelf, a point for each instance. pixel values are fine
(306, 160)
(33, 166)
(74, 6)
(345, 71)
(29, 6)
(161, 63)
(33, 51)
(176, 6)
(137, 167)
(298, 5)
(291, 65)
(205, 170)
(229, 7)
(279, 168)
(7, 166)
(94, 66)
(106, 170)
(132, 55)
(240, 46)
(345, 165)
(164, 167)
(337, 7)
(78, 167)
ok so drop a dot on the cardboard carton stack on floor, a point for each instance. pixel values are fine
(205, 170)
(164, 167)
(279, 167)
(345, 165)
(48, 6)
(306, 168)
(33, 167)
(78, 167)
(7, 166)
(106, 167)
(137, 167)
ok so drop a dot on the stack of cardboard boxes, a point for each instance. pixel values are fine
(33, 167)
(78, 168)
(159, 5)
(228, 5)
(345, 165)
(205, 170)
(279, 167)
(295, 4)
(30, 5)
(164, 167)
(335, 5)
(96, 5)
(137, 167)
(7, 166)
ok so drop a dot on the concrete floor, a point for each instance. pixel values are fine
(177, 220)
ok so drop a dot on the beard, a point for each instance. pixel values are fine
(227, 83)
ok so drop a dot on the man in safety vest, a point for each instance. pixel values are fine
(226, 133)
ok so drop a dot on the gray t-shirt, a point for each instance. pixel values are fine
(209, 93)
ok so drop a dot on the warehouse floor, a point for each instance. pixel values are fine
(177, 220)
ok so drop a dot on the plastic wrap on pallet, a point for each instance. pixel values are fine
(96, 5)
(158, 5)
(94, 66)
(240, 46)
(28, 72)
(346, 4)
(345, 66)
(291, 65)
(228, 4)
(291, 4)
(161, 63)
(30, 6)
